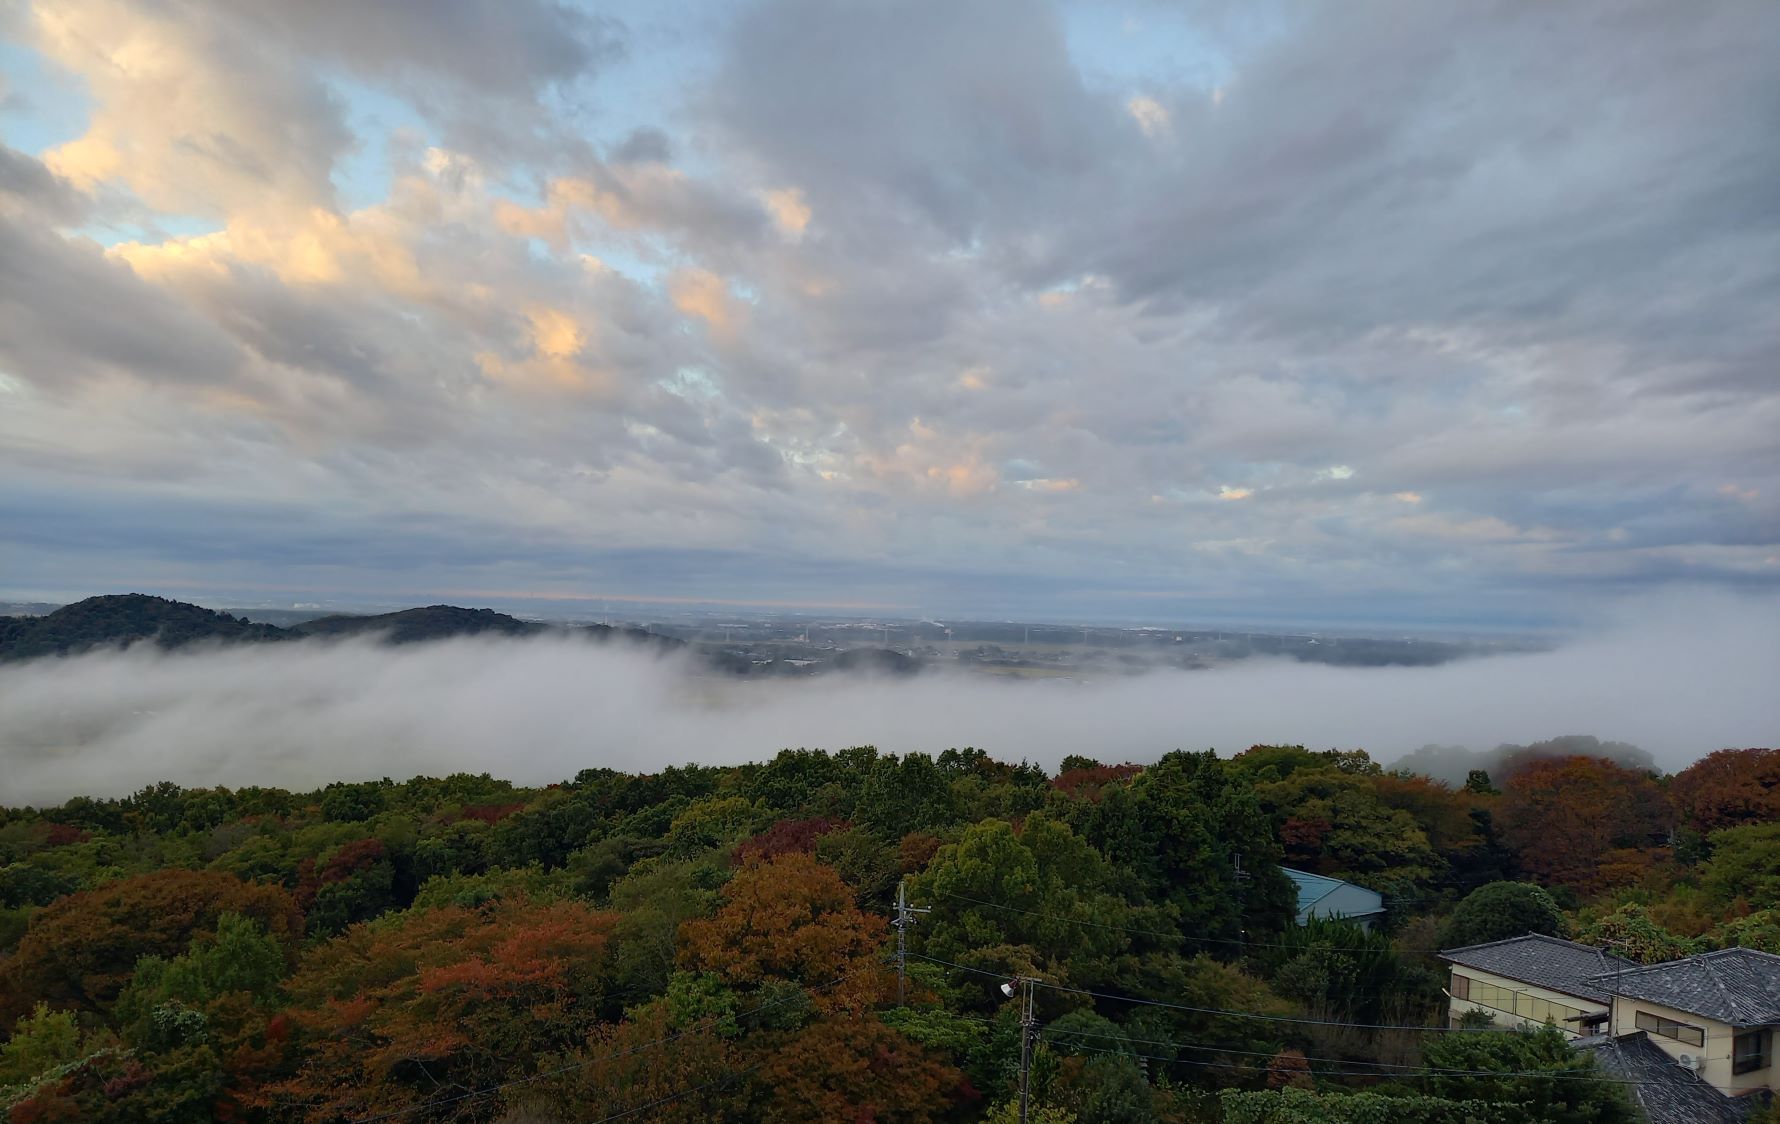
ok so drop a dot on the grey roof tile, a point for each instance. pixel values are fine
(1550, 962)
(1667, 1093)
(1739, 986)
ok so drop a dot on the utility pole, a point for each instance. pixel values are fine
(1028, 1024)
(1242, 877)
(906, 916)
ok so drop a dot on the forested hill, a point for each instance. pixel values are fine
(715, 943)
(434, 622)
(123, 619)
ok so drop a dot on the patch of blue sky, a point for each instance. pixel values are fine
(147, 229)
(649, 268)
(693, 383)
(670, 48)
(364, 175)
(41, 105)
(1127, 45)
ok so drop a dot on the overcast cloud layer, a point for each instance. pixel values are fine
(1414, 310)
(1686, 677)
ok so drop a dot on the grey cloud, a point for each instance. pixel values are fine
(27, 186)
(965, 115)
(1497, 163)
(1516, 260)
(515, 47)
(644, 146)
(68, 313)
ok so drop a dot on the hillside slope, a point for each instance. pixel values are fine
(433, 622)
(123, 619)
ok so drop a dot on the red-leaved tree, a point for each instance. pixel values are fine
(393, 1011)
(80, 950)
(1727, 789)
(1562, 814)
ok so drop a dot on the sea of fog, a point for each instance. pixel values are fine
(1679, 676)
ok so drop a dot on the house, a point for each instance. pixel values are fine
(1693, 1038)
(1717, 1010)
(1663, 1091)
(1532, 980)
(1321, 896)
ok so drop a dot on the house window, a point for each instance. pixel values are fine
(1749, 1052)
(1669, 1028)
(1514, 1001)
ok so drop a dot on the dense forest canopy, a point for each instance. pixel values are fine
(710, 943)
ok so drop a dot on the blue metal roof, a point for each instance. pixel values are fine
(1322, 896)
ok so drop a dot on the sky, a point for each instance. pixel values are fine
(1396, 312)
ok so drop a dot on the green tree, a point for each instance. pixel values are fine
(1629, 931)
(1539, 1071)
(1340, 971)
(1112, 1090)
(1017, 903)
(1501, 910)
(81, 950)
(1745, 865)
(1179, 827)
(40, 1041)
(904, 795)
(23, 884)
(240, 956)
(1301, 1106)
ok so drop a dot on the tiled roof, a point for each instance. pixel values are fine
(1667, 1093)
(1739, 986)
(1560, 965)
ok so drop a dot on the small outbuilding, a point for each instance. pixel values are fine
(1331, 898)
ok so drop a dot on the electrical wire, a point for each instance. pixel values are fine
(1409, 1070)
(682, 1093)
(1548, 1075)
(1214, 1010)
(1149, 932)
(1405, 1071)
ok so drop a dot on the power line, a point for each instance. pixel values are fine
(1409, 1070)
(1217, 1010)
(1550, 1075)
(682, 1093)
(1175, 936)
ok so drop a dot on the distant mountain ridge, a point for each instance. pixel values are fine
(433, 622)
(123, 619)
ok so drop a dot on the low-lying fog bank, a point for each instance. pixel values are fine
(1680, 677)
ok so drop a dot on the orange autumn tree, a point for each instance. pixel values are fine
(791, 918)
(80, 950)
(1728, 788)
(1571, 817)
(652, 1065)
(395, 1012)
(856, 1070)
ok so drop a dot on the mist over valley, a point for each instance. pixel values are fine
(1679, 677)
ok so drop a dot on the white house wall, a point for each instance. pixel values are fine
(1716, 1051)
(1506, 1018)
